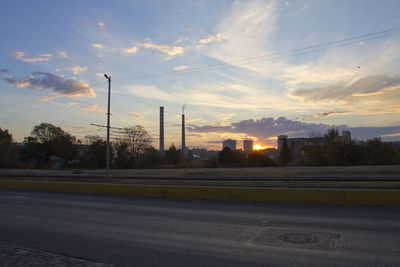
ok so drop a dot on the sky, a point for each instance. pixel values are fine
(243, 69)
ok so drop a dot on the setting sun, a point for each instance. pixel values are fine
(257, 147)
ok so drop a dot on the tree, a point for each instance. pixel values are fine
(151, 157)
(379, 153)
(228, 157)
(173, 156)
(47, 140)
(257, 159)
(46, 132)
(65, 147)
(138, 142)
(123, 160)
(94, 156)
(7, 151)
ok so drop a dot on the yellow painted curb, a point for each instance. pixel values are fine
(364, 197)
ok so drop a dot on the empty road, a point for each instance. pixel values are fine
(126, 231)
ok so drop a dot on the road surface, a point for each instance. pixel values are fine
(125, 231)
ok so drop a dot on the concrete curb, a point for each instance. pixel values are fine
(363, 197)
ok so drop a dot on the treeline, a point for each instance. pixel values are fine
(229, 158)
(49, 146)
(334, 150)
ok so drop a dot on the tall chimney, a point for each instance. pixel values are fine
(162, 130)
(183, 135)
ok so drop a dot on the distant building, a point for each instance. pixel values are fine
(229, 143)
(204, 154)
(296, 144)
(296, 147)
(248, 146)
(280, 141)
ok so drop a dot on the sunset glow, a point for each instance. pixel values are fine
(215, 63)
(257, 147)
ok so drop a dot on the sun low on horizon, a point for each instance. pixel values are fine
(259, 147)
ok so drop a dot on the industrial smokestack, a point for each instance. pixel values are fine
(162, 130)
(183, 135)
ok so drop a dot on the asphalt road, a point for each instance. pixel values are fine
(169, 232)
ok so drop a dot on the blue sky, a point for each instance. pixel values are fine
(234, 64)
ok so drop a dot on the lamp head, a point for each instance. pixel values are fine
(105, 75)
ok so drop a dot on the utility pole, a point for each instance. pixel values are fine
(183, 132)
(108, 128)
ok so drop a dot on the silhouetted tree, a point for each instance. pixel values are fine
(258, 159)
(138, 140)
(7, 151)
(93, 155)
(123, 156)
(379, 153)
(150, 157)
(229, 157)
(173, 156)
(47, 140)
(212, 162)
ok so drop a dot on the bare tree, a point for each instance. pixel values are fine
(138, 139)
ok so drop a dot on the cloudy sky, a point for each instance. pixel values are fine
(244, 69)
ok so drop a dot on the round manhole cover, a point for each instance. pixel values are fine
(299, 238)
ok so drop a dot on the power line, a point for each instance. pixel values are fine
(105, 126)
(283, 54)
(307, 49)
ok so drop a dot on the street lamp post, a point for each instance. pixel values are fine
(108, 129)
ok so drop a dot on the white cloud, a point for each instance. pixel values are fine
(151, 92)
(101, 25)
(98, 46)
(371, 94)
(20, 56)
(45, 98)
(226, 117)
(231, 96)
(367, 86)
(135, 115)
(94, 107)
(326, 114)
(73, 104)
(249, 27)
(179, 68)
(78, 69)
(212, 38)
(63, 54)
(56, 83)
(130, 50)
(169, 50)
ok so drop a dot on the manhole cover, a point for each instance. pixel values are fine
(291, 238)
(299, 238)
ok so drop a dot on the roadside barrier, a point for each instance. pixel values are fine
(363, 197)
